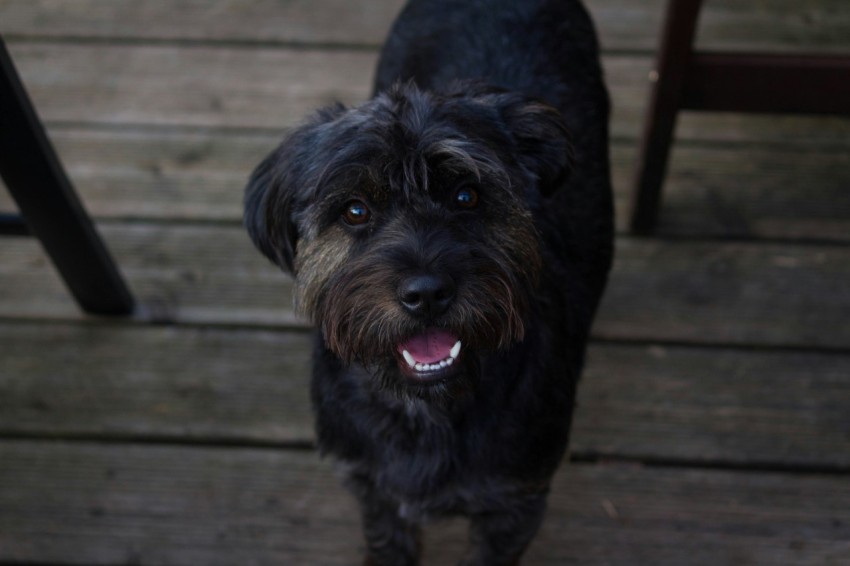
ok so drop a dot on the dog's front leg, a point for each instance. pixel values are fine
(499, 538)
(391, 540)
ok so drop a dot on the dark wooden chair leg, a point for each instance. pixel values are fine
(47, 201)
(668, 79)
(778, 83)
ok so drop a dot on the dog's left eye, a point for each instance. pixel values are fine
(466, 198)
(356, 212)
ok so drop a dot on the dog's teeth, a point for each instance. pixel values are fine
(419, 366)
(408, 358)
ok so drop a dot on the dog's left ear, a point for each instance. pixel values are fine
(543, 141)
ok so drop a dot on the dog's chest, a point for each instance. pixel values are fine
(433, 469)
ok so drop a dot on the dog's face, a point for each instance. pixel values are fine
(406, 223)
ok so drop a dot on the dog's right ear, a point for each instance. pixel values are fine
(270, 196)
(268, 210)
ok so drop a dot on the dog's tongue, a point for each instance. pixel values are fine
(431, 346)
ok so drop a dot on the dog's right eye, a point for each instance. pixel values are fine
(466, 197)
(356, 213)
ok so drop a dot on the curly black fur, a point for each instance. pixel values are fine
(505, 98)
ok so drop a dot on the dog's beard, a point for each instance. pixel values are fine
(362, 322)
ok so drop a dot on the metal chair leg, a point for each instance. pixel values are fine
(54, 214)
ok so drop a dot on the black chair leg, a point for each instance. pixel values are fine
(665, 100)
(46, 199)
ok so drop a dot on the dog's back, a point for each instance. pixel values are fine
(546, 49)
(543, 48)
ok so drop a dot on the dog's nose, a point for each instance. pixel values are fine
(427, 295)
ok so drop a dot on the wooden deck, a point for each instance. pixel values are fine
(714, 418)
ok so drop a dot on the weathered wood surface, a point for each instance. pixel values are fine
(687, 291)
(703, 405)
(251, 386)
(740, 190)
(184, 440)
(194, 86)
(622, 24)
(743, 293)
(116, 381)
(744, 191)
(203, 86)
(108, 504)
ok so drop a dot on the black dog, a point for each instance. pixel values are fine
(450, 238)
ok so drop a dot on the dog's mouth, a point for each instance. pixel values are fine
(430, 356)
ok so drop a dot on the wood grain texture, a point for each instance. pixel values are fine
(703, 405)
(202, 86)
(106, 504)
(195, 86)
(738, 190)
(697, 292)
(822, 25)
(192, 384)
(210, 385)
(317, 22)
(191, 274)
(746, 191)
(746, 293)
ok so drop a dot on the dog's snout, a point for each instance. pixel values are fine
(427, 294)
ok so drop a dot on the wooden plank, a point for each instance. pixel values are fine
(319, 22)
(200, 86)
(779, 25)
(121, 381)
(744, 191)
(701, 292)
(205, 385)
(163, 175)
(821, 25)
(106, 504)
(700, 405)
(740, 190)
(197, 86)
(738, 293)
(191, 274)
